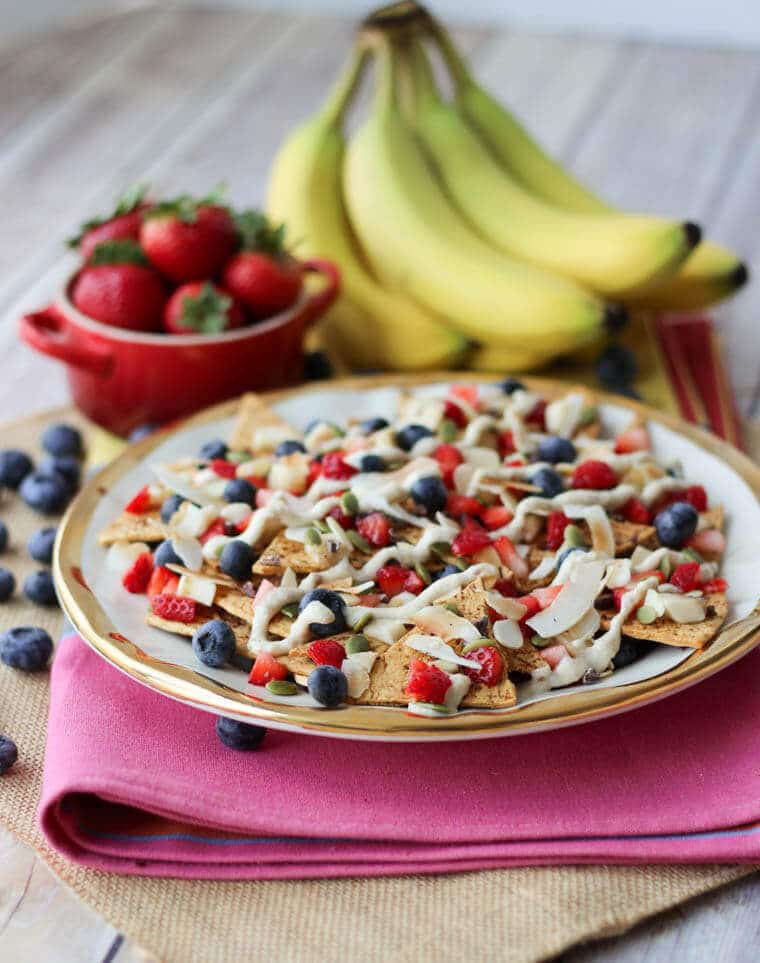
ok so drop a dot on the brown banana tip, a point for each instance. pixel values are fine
(615, 317)
(692, 232)
(740, 275)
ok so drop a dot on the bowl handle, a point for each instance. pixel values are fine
(47, 332)
(318, 303)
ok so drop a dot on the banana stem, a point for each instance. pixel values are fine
(425, 88)
(385, 93)
(343, 91)
(454, 61)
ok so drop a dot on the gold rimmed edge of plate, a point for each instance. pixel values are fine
(374, 722)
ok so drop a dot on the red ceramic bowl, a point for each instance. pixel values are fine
(122, 378)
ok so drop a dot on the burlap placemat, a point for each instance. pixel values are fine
(514, 914)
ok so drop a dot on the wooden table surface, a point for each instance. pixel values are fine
(185, 98)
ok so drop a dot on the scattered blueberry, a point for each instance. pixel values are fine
(317, 366)
(169, 507)
(66, 465)
(214, 643)
(555, 449)
(39, 588)
(430, 493)
(15, 465)
(26, 648)
(3, 536)
(47, 494)
(371, 463)
(328, 686)
(567, 551)
(373, 424)
(337, 606)
(62, 440)
(237, 560)
(8, 754)
(676, 523)
(7, 584)
(617, 368)
(510, 385)
(142, 431)
(165, 555)
(214, 449)
(446, 570)
(549, 481)
(239, 735)
(630, 650)
(40, 545)
(239, 490)
(408, 437)
(289, 447)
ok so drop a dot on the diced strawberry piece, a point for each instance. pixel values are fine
(710, 542)
(257, 481)
(345, 521)
(266, 669)
(546, 595)
(496, 516)
(217, 527)
(470, 540)
(391, 578)
(174, 608)
(686, 576)
(594, 474)
(506, 444)
(241, 526)
(617, 596)
(697, 496)
(315, 470)
(635, 439)
(375, 528)
(515, 462)
(491, 665)
(510, 556)
(537, 415)
(506, 588)
(140, 503)
(427, 683)
(532, 605)
(159, 579)
(715, 585)
(553, 655)
(455, 413)
(635, 511)
(333, 466)
(652, 573)
(326, 652)
(556, 524)
(137, 577)
(469, 394)
(223, 468)
(413, 583)
(449, 457)
(264, 589)
(263, 496)
(457, 505)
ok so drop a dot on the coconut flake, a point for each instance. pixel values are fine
(545, 567)
(684, 609)
(190, 552)
(439, 621)
(434, 646)
(595, 516)
(197, 587)
(509, 608)
(179, 483)
(122, 555)
(572, 603)
(508, 633)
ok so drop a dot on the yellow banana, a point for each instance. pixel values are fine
(417, 242)
(369, 326)
(486, 357)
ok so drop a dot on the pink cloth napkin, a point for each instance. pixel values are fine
(137, 783)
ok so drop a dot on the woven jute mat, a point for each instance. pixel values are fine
(512, 914)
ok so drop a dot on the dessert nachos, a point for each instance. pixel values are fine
(459, 552)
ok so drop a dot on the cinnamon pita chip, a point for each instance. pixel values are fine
(693, 635)
(258, 428)
(147, 527)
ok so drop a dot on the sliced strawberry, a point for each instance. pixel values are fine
(140, 503)
(427, 683)
(532, 606)
(697, 496)
(594, 474)
(413, 583)
(506, 444)
(546, 595)
(506, 588)
(470, 540)
(457, 505)
(496, 516)
(556, 524)
(345, 521)
(449, 457)
(391, 578)
(510, 556)
(537, 415)
(333, 466)
(215, 528)
(469, 394)
(326, 652)
(636, 511)
(715, 585)
(553, 655)
(315, 470)
(263, 496)
(455, 413)
(710, 542)
(257, 481)
(491, 668)
(137, 577)
(174, 608)
(686, 576)
(375, 528)
(635, 439)
(617, 596)
(266, 669)
(223, 468)
(160, 579)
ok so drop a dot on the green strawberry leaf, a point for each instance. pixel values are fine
(258, 234)
(129, 201)
(118, 252)
(185, 206)
(206, 312)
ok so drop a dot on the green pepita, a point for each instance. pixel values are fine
(694, 556)
(282, 687)
(361, 622)
(460, 564)
(238, 457)
(322, 525)
(646, 614)
(358, 542)
(432, 705)
(447, 429)
(452, 608)
(313, 537)
(666, 567)
(540, 642)
(478, 644)
(290, 610)
(441, 550)
(423, 573)
(349, 503)
(574, 537)
(589, 414)
(356, 643)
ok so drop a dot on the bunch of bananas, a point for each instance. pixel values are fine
(459, 240)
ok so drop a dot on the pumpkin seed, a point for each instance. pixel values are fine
(290, 610)
(238, 457)
(282, 687)
(478, 644)
(460, 564)
(423, 573)
(694, 556)
(360, 623)
(574, 537)
(432, 705)
(322, 525)
(356, 643)
(540, 642)
(358, 542)
(590, 413)
(452, 608)
(646, 614)
(666, 567)
(313, 537)
(447, 429)
(349, 503)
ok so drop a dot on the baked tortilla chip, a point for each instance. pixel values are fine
(147, 527)
(258, 428)
(693, 635)
(241, 629)
(524, 660)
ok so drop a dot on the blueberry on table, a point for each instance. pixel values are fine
(39, 588)
(165, 555)
(26, 648)
(676, 524)
(317, 366)
(373, 424)
(328, 686)
(371, 463)
(45, 493)
(548, 481)
(408, 437)
(239, 735)
(237, 559)
(7, 584)
(8, 754)
(15, 465)
(169, 507)
(3, 536)
(240, 490)
(63, 440)
(429, 493)
(214, 449)
(555, 449)
(66, 465)
(289, 447)
(214, 643)
(617, 368)
(510, 385)
(40, 545)
(334, 603)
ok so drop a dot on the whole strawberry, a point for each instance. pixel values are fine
(263, 276)
(118, 287)
(123, 223)
(188, 239)
(203, 308)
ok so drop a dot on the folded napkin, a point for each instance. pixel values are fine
(137, 783)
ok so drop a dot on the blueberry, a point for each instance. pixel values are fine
(3, 536)
(555, 449)
(15, 465)
(142, 431)
(48, 494)
(510, 385)
(240, 490)
(430, 493)
(66, 465)
(371, 463)
(317, 366)
(40, 545)
(38, 588)
(548, 481)
(165, 555)
(8, 754)
(408, 437)
(214, 643)
(630, 650)
(616, 367)
(337, 606)
(328, 686)
(213, 449)
(237, 559)
(676, 523)
(289, 447)
(7, 584)
(239, 735)
(62, 440)
(26, 648)
(446, 570)
(170, 506)
(567, 551)
(373, 424)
